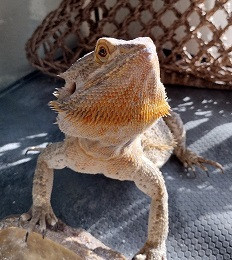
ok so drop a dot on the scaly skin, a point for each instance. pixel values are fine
(111, 110)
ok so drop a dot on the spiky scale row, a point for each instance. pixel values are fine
(142, 114)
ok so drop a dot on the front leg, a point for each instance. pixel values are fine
(41, 211)
(189, 159)
(148, 179)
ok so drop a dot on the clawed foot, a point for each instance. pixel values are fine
(43, 216)
(190, 160)
(150, 253)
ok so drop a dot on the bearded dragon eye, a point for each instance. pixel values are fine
(102, 52)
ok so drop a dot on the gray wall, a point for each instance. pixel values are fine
(18, 20)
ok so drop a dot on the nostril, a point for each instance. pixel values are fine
(72, 88)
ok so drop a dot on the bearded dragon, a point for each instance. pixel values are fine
(114, 112)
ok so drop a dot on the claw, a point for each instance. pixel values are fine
(43, 233)
(52, 219)
(190, 159)
(19, 221)
(26, 237)
(33, 223)
(41, 216)
(204, 168)
(59, 225)
(219, 166)
(42, 223)
(210, 162)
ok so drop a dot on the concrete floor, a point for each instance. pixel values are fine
(113, 211)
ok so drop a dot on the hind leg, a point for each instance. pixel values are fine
(189, 159)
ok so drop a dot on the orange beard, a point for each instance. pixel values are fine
(120, 106)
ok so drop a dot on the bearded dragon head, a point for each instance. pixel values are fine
(117, 86)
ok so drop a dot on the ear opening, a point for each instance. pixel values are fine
(71, 88)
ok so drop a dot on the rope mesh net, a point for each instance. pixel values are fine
(193, 38)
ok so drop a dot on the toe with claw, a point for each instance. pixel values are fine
(39, 215)
(191, 160)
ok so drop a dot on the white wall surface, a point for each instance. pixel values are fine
(18, 20)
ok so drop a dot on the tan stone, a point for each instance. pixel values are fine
(66, 243)
(14, 247)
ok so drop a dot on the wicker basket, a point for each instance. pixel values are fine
(193, 38)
